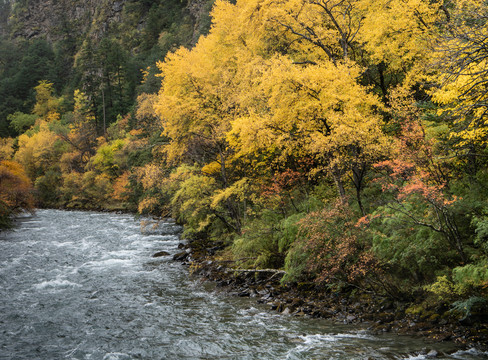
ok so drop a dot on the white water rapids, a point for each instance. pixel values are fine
(84, 285)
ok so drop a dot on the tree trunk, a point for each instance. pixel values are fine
(340, 185)
(357, 179)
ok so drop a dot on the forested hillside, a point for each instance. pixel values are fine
(343, 141)
(69, 71)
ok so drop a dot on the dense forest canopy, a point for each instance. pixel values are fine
(343, 141)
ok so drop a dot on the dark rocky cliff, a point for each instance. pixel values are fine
(57, 19)
(54, 19)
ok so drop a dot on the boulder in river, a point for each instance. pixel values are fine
(181, 256)
(161, 253)
(287, 311)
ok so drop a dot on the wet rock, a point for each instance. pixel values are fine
(181, 256)
(263, 292)
(161, 253)
(213, 250)
(443, 337)
(387, 305)
(297, 302)
(277, 306)
(296, 340)
(287, 311)
(384, 318)
(386, 329)
(432, 354)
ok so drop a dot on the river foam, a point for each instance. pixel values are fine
(84, 286)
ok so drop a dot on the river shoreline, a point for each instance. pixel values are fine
(377, 314)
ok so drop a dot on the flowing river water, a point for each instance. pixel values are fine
(84, 285)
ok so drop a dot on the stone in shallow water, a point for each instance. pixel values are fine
(180, 256)
(161, 253)
(432, 354)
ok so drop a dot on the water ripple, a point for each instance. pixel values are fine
(84, 285)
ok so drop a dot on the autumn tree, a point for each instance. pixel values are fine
(196, 105)
(15, 191)
(461, 77)
(81, 135)
(47, 105)
(40, 148)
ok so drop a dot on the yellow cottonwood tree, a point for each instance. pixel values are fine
(399, 33)
(6, 148)
(232, 95)
(15, 191)
(15, 186)
(36, 150)
(197, 102)
(36, 153)
(47, 106)
(462, 77)
(316, 110)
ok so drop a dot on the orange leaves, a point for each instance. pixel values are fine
(397, 168)
(335, 241)
(15, 186)
(121, 187)
(6, 148)
(414, 171)
(280, 188)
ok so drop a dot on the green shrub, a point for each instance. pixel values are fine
(469, 306)
(258, 246)
(414, 253)
(471, 277)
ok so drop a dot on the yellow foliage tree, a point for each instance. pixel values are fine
(316, 110)
(15, 190)
(233, 95)
(36, 153)
(47, 106)
(399, 33)
(461, 61)
(6, 148)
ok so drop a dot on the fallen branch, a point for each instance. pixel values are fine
(274, 271)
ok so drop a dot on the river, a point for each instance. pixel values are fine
(84, 285)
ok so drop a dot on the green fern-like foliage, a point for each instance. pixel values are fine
(469, 306)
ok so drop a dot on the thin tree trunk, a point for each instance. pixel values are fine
(339, 184)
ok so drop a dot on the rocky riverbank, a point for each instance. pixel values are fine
(376, 313)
